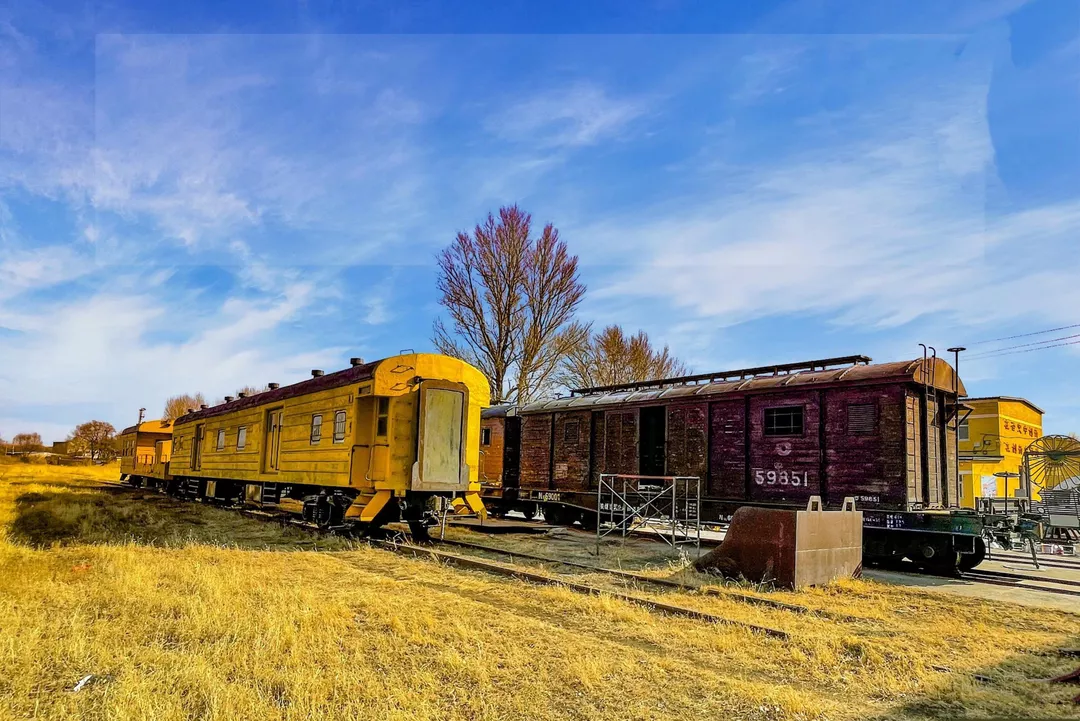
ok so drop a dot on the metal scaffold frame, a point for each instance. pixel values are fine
(669, 504)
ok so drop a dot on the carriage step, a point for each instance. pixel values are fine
(271, 493)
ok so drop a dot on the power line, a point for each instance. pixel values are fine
(1022, 345)
(1025, 335)
(1029, 350)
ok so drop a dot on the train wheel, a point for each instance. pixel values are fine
(969, 561)
(937, 558)
(556, 515)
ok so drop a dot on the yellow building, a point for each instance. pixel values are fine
(992, 440)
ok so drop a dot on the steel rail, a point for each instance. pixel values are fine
(664, 582)
(473, 563)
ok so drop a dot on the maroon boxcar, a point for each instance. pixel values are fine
(774, 436)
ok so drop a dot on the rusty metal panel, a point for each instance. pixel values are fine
(828, 545)
(864, 446)
(785, 467)
(687, 426)
(789, 548)
(536, 450)
(727, 449)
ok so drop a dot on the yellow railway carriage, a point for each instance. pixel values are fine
(369, 444)
(144, 452)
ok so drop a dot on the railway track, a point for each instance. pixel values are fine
(1063, 562)
(998, 578)
(665, 583)
(1062, 586)
(474, 563)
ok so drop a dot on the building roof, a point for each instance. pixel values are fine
(155, 426)
(936, 372)
(1014, 399)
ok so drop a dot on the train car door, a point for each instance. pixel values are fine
(197, 446)
(511, 452)
(653, 440)
(272, 447)
(440, 451)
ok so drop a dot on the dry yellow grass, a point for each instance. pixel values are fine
(182, 611)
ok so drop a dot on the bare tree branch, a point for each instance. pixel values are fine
(93, 438)
(511, 300)
(610, 357)
(178, 405)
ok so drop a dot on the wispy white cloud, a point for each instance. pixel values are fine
(885, 228)
(578, 115)
(72, 353)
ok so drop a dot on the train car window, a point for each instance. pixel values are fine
(339, 426)
(784, 421)
(241, 438)
(485, 436)
(382, 420)
(316, 428)
(571, 432)
(965, 432)
(221, 440)
(861, 419)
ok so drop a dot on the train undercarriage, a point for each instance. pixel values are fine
(326, 507)
(941, 542)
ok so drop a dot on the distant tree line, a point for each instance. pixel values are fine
(93, 440)
(512, 297)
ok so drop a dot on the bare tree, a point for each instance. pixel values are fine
(27, 442)
(511, 300)
(93, 438)
(612, 357)
(178, 405)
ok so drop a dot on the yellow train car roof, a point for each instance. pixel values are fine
(155, 426)
(420, 363)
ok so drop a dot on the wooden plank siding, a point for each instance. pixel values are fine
(777, 461)
(536, 451)
(491, 453)
(571, 451)
(727, 445)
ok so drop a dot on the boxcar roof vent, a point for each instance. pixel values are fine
(190, 410)
(241, 394)
(356, 362)
(739, 374)
(316, 373)
(273, 386)
(229, 399)
(203, 407)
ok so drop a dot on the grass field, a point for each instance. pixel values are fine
(183, 611)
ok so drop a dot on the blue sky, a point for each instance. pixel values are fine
(200, 199)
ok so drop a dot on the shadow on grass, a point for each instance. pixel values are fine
(1016, 688)
(107, 515)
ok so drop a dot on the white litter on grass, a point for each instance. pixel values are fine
(80, 684)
